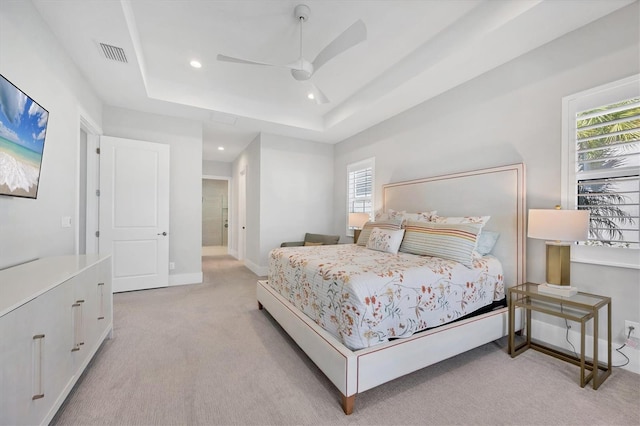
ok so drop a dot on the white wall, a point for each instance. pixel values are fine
(289, 192)
(296, 195)
(32, 60)
(216, 168)
(509, 115)
(185, 206)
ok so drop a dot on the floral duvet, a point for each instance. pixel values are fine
(365, 297)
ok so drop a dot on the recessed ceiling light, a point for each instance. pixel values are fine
(221, 148)
(196, 64)
(311, 96)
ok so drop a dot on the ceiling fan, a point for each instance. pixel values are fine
(302, 69)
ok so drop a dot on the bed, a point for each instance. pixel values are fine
(357, 355)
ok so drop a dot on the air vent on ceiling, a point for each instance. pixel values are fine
(114, 53)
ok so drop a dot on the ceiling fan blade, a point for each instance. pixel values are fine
(225, 58)
(318, 96)
(356, 33)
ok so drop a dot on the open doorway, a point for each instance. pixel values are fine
(87, 223)
(215, 217)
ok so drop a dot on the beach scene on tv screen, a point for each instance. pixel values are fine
(23, 125)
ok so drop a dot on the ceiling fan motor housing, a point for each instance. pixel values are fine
(302, 11)
(303, 70)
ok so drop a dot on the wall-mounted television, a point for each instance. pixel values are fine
(23, 127)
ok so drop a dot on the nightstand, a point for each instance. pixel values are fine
(580, 308)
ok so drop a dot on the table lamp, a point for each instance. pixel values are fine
(357, 221)
(561, 228)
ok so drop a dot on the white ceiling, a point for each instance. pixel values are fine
(415, 50)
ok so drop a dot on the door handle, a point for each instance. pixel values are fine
(164, 234)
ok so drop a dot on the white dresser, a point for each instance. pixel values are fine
(54, 314)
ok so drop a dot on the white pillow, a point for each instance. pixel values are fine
(389, 215)
(385, 240)
(391, 225)
(479, 220)
(426, 216)
(486, 242)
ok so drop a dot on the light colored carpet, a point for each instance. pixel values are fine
(214, 250)
(204, 354)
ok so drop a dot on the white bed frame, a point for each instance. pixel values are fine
(498, 192)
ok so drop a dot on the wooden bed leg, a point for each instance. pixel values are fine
(260, 307)
(348, 403)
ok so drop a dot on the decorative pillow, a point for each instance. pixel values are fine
(391, 225)
(389, 215)
(380, 215)
(309, 243)
(486, 241)
(427, 216)
(480, 220)
(385, 240)
(448, 241)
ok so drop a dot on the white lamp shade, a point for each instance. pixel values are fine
(559, 225)
(357, 220)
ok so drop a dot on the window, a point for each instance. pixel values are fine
(359, 189)
(601, 169)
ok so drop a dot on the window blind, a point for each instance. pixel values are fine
(607, 172)
(360, 188)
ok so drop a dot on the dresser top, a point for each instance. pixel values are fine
(23, 283)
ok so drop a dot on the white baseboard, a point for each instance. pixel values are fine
(554, 335)
(184, 279)
(232, 252)
(260, 271)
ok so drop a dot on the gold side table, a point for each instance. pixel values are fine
(580, 308)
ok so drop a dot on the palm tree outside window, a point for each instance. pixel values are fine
(601, 170)
(607, 164)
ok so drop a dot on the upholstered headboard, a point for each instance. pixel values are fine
(498, 192)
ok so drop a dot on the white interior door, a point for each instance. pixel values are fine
(92, 222)
(242, 214)
(134, 212)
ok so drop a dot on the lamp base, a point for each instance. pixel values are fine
(558, 263)
(557, 290)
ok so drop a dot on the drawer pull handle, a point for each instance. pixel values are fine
(77, 325)
(38, 355)
(101, 299)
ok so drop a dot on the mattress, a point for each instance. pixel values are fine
(365, 297)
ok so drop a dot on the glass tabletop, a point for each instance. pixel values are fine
(579, 300)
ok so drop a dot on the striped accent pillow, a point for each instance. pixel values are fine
(391, 225)
(448, 241)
